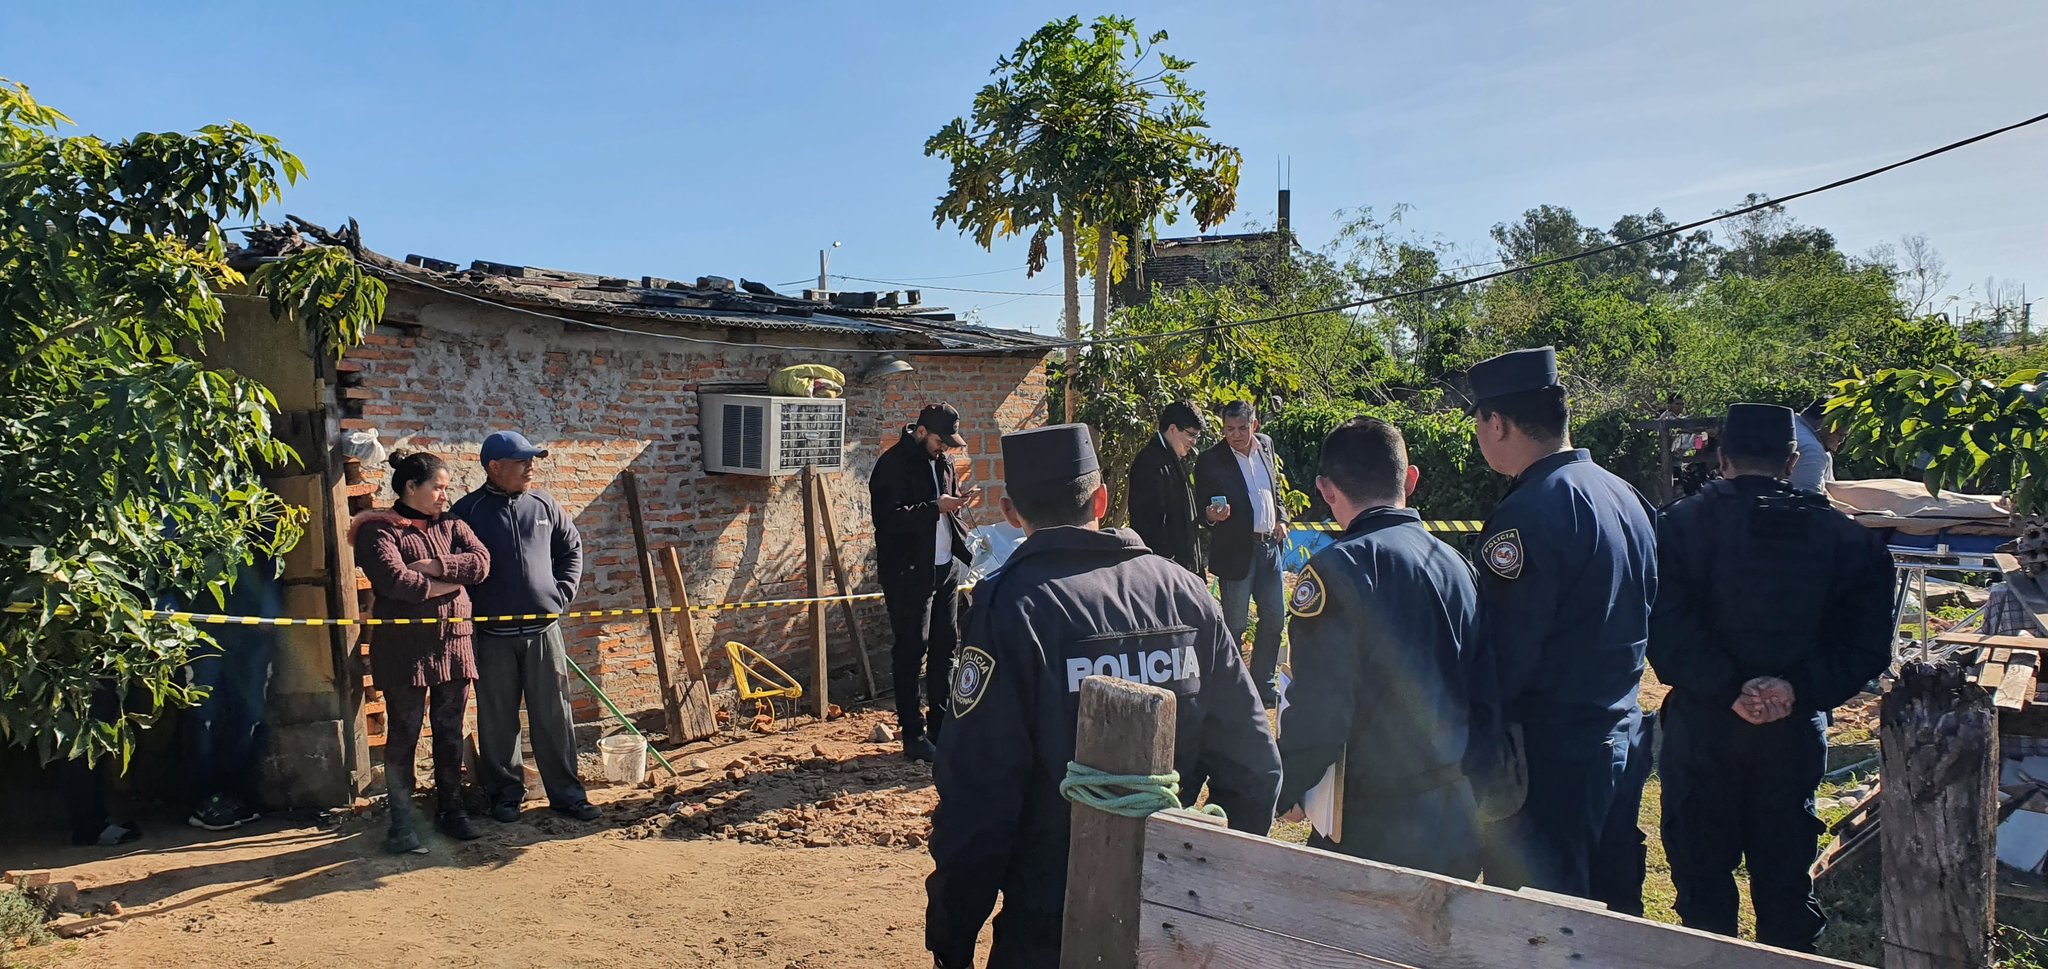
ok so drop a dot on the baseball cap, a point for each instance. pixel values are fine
(508, 444)
(943, 420)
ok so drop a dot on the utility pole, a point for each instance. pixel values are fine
(824, 278)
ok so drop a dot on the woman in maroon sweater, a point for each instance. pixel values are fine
(418, 562)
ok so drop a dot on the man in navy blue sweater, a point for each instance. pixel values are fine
(536, 563)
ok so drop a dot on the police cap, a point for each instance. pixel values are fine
(1047, 458)
(1513, 372)
(1759, 429)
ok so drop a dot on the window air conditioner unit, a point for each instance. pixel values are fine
(750, 434)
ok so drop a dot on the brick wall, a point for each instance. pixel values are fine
(442, 374)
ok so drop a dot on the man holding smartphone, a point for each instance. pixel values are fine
(916, 497)
(1240, 479)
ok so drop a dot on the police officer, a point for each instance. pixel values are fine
(1774, 609)
(1378, 622)
(1073, 600)
(1567, 572)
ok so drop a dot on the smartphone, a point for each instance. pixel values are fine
(1219, 502)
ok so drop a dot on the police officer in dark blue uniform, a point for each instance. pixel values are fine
(1567, 573)
(1378, 622)
(1774, 609)
(1074, 600)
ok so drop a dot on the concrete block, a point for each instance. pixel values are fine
(308, 560)
(306, 767)
(305, 654)
(32, 878)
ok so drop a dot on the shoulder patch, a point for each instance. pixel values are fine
(971, 674)
(1309, 594)
(1503, 553)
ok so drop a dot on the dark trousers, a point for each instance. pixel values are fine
(533, 668)
(405, 710)
(926, 621)
(1735, 792)
(1265, 586)
(84, 787)
(1431, 831)
(1549, 843)
(1622, 858)
(223, 735)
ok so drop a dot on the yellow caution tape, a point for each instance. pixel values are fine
(1437, 526)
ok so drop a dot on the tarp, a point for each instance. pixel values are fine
(1905, 505)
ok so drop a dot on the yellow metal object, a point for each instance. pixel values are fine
(748, 665)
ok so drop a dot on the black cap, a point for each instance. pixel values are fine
(1757, 429)
(1513, 372)
(1048, 457)
(943, 420)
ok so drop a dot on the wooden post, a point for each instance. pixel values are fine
(1124, 728)
(860, 640)
(671, 699)
(1939, 740)
(699, 719)
(821, 661)
(1665, 486)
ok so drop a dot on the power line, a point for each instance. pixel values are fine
(1333, 308)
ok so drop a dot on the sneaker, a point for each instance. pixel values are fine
(457, 825)
(404, 841)
(919, 748)
(221, 813)
(505, 813)
(585, 811)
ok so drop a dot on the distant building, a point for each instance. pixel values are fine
(1208, 260)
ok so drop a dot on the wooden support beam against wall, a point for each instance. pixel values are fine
(1939, 740)
(671, 696)
(821, 661)
(860, 639)
(1123, 728)
(700, 720)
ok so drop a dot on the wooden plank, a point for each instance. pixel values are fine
(821, 660)
(1993, 642)
(671, 697)
(700, 718)
(2016, 688)
(1123, 728)
(1939, 740)
(1410, 917)
(839, 571)
(1169, 938)
(1991, 675)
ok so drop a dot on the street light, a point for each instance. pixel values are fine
(824, 283)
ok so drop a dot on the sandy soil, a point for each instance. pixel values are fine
(796, 849)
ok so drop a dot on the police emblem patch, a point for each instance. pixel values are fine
(970, 678)
(1503, 553)
(1307, 601)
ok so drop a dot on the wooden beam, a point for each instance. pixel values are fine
(671, 699)
(700, 720)
(1408, 917)
(1172, 939)
(1123, 728)
(2031, 590)
(839, 571)
(1992, 643)
(2016, 688)
(821, 661)
(1939, 741)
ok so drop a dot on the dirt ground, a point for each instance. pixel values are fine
(800, 849)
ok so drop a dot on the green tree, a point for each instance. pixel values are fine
(1069, 137)
(1981, 434)
(128, 468)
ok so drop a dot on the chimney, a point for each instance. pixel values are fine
(1284, 196)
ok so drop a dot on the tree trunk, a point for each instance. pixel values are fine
(1105, 239)
(1939, 736)
(1070, 260)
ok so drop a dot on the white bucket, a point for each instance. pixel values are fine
(625, 758)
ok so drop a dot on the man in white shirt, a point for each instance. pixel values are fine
(1238, 483)
(1815, 465)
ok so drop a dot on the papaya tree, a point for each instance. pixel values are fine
(129, 468)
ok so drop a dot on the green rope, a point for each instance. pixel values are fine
(1125, 795)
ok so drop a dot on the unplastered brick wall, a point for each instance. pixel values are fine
(444, 373)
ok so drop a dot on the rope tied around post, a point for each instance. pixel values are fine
(1126, 795)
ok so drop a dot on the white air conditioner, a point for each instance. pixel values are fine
(750, 434)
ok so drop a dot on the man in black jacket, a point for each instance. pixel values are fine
(1162, 503)
(915, 495)
(1074, 600)
(1238, 481)
(1774, 609)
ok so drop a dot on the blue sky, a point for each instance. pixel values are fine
(692, 139)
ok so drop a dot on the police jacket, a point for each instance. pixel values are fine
(1761, 580)
(1070, 603)
(1162, 505)
(1377, 624)
(1567, 570)
(903, 492)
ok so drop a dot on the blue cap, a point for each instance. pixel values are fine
(1513, 372)
(508, 444)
